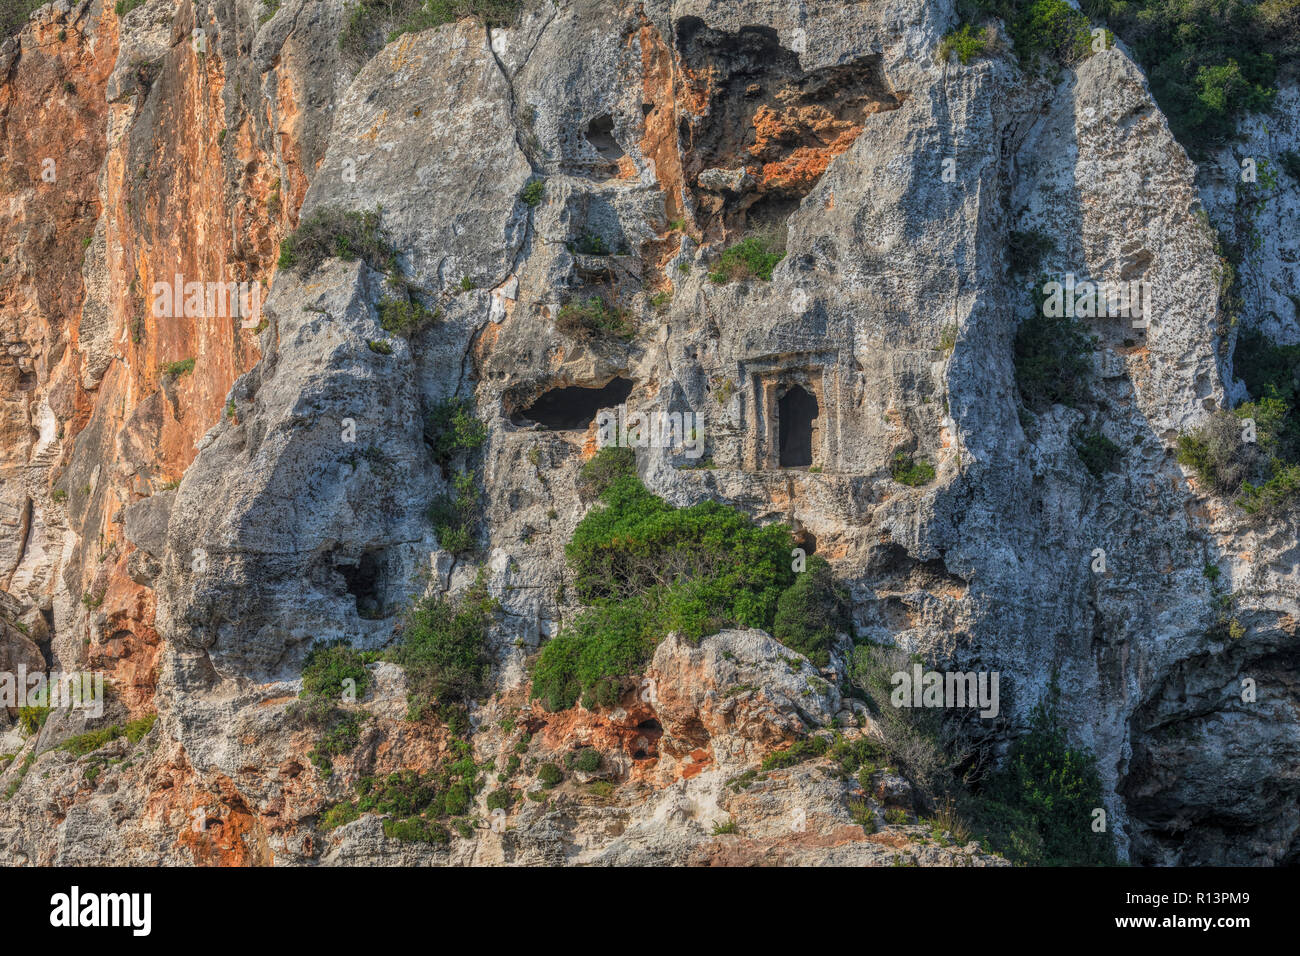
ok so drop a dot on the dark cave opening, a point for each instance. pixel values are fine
(796, 410)
(573, 407)
(600, 134)
(365, 583)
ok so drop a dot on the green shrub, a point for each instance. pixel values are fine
(608, 464)
(32, 718)
(1053, 361)
(1208, 64)
(403, 316)
(721, 829)
(594, 316)
(123, 7)
(646, 568)
(453, 516)
(1272, 375)
(811, 612)
(588, 760)
(451, 427)
(380, 346)
(1277, 496)
(1026, 249)
(328, 665)
(908, 471)
(500, 799)
(1056, 786)
(549, 775)
(752, 258)
(810, 748)
(92, 740)
(177, 369)
(343, 234)
(532, 194)
(968, 44)
(1097, 452)
(417, 830)
(338, 815)
(341, 736)
(442, 646)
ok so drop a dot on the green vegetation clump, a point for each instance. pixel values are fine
(531, 194)
(587, 760)
(721, 829)
(968, 43)
(1053, 360)
(811, 612)
(327, 668)
(341, 736)
(177, 369)
(123, 7)
(1097, 452)
(1037, 808)
(343, 234)
(404, 317)
(451, 427)
(1209, 63)
(380, 346)
(454, 515)
(549, 775)
(416, 830)
(32, 718)
(752, 258)
(1026, 249)
(594, 316)
(798, 752)
(442, 647)
(135, 730)
(909, 471)
(644, 568)
(604, 469)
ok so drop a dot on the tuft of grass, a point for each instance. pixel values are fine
(339, 233)
(968, 44)
(177, 369)
(721, 829)
(380, 346)
(594, 317)
(752, 258)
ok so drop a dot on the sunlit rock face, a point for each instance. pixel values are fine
(192, 529)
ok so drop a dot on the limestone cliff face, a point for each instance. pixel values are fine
(192, 532)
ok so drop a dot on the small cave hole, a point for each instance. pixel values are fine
(796, 410)
(600, 134)
(365, 583)
(572, 408)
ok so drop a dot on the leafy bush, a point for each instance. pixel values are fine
(32, 718)
(417, 830)
(403, 316)
(177, 369)
(601, 471)
(594, 316)
(550, 775)
(798, 752)
(908, 471)
(587, 760)
(1097, 452)
(811, 612)
(453, 516)
(1056, 786)
(968, 44)
(343, 234)
(1053, 361)
(380, 346)
(451, 427)
(1026, 249)
(646, 568)
(752, 258)
(532, 194)
(341, 736)
(1272, 373)
(442, 646)
(328, 665)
